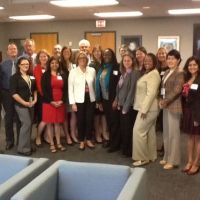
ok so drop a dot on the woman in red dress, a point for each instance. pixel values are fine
(54, 89)
(41, 59)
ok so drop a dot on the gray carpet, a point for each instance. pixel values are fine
(161, 184)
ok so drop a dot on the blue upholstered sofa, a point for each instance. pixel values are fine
(17, 171)
(66, 180)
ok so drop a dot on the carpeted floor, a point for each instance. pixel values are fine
(161, 184)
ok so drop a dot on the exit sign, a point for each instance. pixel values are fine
(100, 23)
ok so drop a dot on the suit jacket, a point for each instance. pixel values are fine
(173, 88)
(194, 99)
(47, 89)
(126, 93)
(147, 91)
(5, 73)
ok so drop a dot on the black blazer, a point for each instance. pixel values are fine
(19, 86)
(47, 89)
(194, 100)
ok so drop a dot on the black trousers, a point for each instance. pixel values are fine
(85, 117)
(10, 116)
(113, 122)
(126, 130)
(159, 122)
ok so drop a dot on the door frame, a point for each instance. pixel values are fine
(102, 32)
(45, 33)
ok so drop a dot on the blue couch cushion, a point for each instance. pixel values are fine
(11, 165)
(89, 181)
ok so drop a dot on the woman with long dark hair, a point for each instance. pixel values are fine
(54, 89)
(191, 114)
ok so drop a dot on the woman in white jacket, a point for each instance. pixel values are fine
(81, 85)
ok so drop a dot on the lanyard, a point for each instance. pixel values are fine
(28, 81)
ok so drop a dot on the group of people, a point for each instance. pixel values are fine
(96, 98)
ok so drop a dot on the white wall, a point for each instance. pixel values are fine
(74, 30)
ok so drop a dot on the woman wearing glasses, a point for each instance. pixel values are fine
(23, 90)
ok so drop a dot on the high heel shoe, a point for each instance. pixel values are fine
(82, 146)
(187, 168)
(53, 148)
(90, 145)
(193, 172)
(61, 147)
(75, 141)
(38, 143)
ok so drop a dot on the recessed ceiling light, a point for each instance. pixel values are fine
(32, 17)
(184, 11)
(119, 14)
(84, 3)
(145, 7)
(1, 8)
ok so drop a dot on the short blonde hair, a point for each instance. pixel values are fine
(81, 55)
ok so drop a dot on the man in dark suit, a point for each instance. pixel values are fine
(7, 69)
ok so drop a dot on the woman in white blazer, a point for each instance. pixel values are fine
(146, 103)
(81, 88)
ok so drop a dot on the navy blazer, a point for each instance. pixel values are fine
(6, 73)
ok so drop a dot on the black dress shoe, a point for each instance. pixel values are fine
(25, 153)
(9, 146)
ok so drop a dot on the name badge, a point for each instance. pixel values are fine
(115, 72)
(162, 73)
(162, 91)
(32, 77)
(43, 70)
(59, 77)
(194, 86)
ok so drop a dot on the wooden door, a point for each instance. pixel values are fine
(45, 41)
(105, 39)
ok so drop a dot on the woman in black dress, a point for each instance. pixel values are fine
(191, 114)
